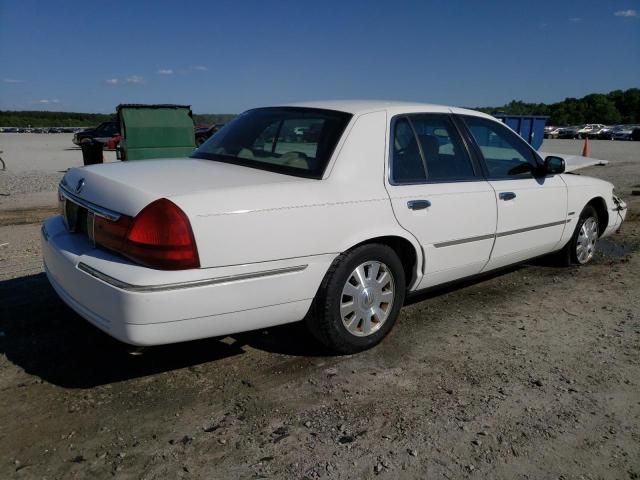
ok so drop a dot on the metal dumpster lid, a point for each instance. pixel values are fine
(153, 105)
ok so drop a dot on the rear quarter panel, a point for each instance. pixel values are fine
(298, 219)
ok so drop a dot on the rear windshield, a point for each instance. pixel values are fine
(294, 141)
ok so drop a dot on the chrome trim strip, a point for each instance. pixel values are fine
(497, 235)
(191, 284)
(463, 240)
(528, 229)
(92, 207)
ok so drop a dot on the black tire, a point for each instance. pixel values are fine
(569, 254)
(324, 319)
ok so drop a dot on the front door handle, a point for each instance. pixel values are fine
(507, 196)
(418, 204)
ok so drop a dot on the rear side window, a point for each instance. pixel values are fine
(295, 141)
(506, 155)
(427, 148)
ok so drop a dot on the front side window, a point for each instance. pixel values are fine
(295, 141)
(427, 148)
(506, 155)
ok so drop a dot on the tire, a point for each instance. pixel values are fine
(582, 246)
(380, 295)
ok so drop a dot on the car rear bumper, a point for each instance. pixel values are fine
(142, 306)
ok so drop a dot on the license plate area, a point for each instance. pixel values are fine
(78, 219)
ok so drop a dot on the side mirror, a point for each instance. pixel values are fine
(554, 165)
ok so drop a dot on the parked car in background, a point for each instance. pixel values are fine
(596, 132)
(585, 130)
(203, 133)
(102, 133)
(113, 142)
(624, 132)
(254, 230)
(568, 132)
(551, 131)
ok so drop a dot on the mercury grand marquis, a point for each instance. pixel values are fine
(327, 212)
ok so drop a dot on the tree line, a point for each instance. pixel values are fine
(616, 107)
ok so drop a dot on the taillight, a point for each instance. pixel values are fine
(161, 237)
(110, 234)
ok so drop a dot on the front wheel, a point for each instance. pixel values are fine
(359, 299)
(582, 246)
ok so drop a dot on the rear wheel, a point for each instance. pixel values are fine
(582, 246)
(359, 299)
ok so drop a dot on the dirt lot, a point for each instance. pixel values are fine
(531, 373)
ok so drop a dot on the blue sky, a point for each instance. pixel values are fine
(227, 56)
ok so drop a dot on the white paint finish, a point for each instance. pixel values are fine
(581, 190)
(458, 211)
(113, 308)
(234, 226)
(128, 187)
(186, 329)
(538, 201)
(247, 220)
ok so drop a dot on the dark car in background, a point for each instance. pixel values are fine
(102, 133)
(625, 132)
(568, 132)
(203, 133)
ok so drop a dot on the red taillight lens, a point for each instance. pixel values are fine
(161, 237)
(111, 234)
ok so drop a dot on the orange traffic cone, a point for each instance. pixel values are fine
(586, 151)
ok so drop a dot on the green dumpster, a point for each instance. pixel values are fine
(155, 131)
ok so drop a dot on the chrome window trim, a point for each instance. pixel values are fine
(92, 207)
(189, 284)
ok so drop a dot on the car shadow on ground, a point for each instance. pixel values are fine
(45, 338)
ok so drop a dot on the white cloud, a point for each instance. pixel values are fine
(165, 71)
(131, 80)
(11, 80)
(47, 101)
(134, 80)
(575, 19)
(626, 13)
(201, 68)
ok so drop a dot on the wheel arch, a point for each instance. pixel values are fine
(600, 206)
(408, 251)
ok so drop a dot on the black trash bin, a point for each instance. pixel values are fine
(92, 153)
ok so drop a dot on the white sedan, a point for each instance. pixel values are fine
(264, 226)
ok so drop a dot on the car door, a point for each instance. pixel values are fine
(438, 194)
(532, 209)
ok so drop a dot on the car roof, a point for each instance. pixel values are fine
(360, 107)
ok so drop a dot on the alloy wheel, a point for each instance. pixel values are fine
(367, 298)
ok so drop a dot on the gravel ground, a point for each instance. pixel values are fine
(531, 373)
(35, 165)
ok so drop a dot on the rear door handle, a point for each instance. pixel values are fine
(418, 204)
(507, 196)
